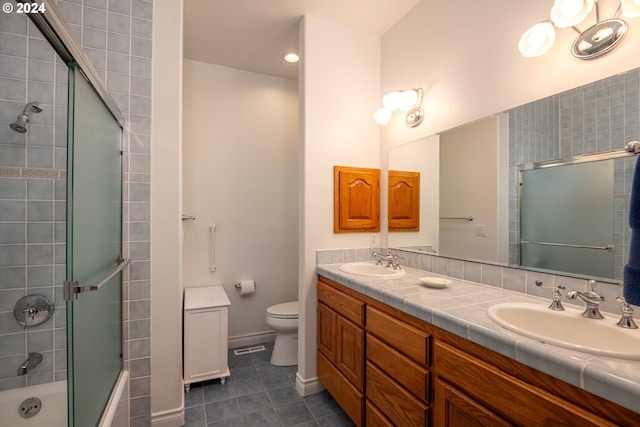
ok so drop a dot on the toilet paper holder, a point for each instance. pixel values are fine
(237, 285)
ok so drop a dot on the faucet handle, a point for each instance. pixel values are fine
(396, 261)
(556, 296)
(627, 314)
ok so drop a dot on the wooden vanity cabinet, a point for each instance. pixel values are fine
(341, 348)
(417, 374)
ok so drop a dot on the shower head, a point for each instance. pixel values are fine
(20, 125)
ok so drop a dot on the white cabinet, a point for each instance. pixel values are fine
(206, 312)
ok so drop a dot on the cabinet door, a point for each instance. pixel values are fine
(350, 352)
(404, 201)
(453, 409)
(348, 397)
(327, 332)
(356, 200)
(205, 358)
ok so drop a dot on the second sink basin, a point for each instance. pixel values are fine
(371, 269)
(568, 329)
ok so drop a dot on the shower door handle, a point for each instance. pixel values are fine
(71, 288)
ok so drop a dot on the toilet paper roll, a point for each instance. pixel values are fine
(247, 287)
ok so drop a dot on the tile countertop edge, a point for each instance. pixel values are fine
(612, 379)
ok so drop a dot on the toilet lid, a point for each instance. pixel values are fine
(286, 310)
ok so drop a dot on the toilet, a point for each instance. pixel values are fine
(283, 318)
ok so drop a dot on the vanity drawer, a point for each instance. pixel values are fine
(514, 400)
(400, 406)
(412, 376)
(409, 340)
(343, 304)
(375, 418)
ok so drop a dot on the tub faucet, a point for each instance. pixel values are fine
(33, 359)
(591, 298)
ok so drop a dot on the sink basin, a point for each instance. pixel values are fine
(371, 269)
(568, 329)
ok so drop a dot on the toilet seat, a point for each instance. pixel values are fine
(286, 310)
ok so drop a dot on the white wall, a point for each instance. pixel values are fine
(167, 394)
(240, 173)
(339, 79)
(465, 56)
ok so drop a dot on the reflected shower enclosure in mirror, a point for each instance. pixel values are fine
(597, 117)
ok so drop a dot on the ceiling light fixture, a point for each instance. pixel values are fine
(291, 57)
(408, 100)
(596, 40)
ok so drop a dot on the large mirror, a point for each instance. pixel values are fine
(471, 176)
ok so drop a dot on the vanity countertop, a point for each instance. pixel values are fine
(460, 308)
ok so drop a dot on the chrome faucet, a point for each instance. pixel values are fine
(393, 260)
(33, 359)
(556, 296)
(627, 315)
(591, 298)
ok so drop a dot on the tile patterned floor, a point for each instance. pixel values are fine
(259, 394)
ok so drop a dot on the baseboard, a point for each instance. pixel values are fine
(251, 339)
(170, 418)
(308, 387)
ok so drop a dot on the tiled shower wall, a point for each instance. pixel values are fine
(32, 200)
(600, 116)
(116, 35)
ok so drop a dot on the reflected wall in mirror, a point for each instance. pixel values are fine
(600, 116)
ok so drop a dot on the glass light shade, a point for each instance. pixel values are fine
(391, 101)
(537, 40)
(382, 116)
(630, 8)
(408, 99)
(567, 13)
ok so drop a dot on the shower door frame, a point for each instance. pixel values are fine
(59, 35)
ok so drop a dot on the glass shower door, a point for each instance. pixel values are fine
(573, 233)
(94, 247)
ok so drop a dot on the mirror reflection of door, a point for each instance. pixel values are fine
(470, 179)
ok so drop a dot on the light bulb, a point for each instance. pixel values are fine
(567, 13)
(630, 8)
(382, 116)
(391, 101)
(408, 99)
(537, 40)
(291, 57)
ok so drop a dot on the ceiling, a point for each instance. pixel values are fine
(252, 35)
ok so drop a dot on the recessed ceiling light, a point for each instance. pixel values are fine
(291, 57)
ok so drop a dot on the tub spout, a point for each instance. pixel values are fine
(33, 359)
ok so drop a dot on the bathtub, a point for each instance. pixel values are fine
(53, 412)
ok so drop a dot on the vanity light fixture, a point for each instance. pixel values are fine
(291, 57)
(596, 40)
(409, 100)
